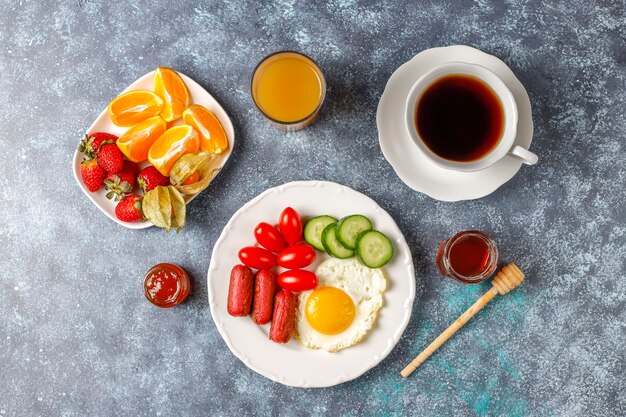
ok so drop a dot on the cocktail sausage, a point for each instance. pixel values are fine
(263, 301)
(240, 291)
(284, 318)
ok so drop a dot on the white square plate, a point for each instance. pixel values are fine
(103, 124)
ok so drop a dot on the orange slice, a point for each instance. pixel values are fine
(137, 140)
(171, 145)
(212, 135)
(134, 107)
(172, 89)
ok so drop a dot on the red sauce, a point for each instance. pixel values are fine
(166, 285)
(470, 256)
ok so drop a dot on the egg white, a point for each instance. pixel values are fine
(364, 285)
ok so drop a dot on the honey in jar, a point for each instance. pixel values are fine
(470, 257)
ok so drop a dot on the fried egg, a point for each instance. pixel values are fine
(344, 306)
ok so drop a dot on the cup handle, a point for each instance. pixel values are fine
(525, 155)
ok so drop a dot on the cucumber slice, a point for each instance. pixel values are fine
(350, 227)
(373, 249)
(332, 245)
(313, 230)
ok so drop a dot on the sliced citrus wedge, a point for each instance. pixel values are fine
(134, 107)
(171, 145)
(172, 89)
(137, 140)
(212, 135)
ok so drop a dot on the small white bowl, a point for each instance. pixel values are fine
(103, 124)
(500, 89)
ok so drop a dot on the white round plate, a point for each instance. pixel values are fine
(293, 364)
(411, 165)
(103, 124)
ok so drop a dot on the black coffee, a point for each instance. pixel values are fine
(459, 118)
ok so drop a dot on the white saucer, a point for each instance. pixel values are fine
(411, 164)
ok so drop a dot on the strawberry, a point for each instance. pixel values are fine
(92, 142)
(93, 175)
(110, 158)
(123, 182)
(150, 178)
(129, 209)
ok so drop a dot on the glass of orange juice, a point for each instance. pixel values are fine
(289, 89)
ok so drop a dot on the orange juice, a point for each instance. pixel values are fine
(288, 88)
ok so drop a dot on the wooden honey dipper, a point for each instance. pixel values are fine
(507, 279)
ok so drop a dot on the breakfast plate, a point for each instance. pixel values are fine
(292, 363)
(411, 165)
(198, 95)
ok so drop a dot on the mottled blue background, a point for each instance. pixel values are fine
(78, 338)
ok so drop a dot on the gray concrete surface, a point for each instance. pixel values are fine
(77, 337)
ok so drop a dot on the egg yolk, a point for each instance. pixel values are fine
(329, 310)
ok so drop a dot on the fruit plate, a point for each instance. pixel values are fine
(103, 123)
(293, 364)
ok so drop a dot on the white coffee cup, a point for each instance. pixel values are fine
(505, 145)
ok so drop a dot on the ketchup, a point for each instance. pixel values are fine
(470, 256)
(166, 285)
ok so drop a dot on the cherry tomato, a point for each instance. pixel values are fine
(296, 256)
(297, 280)
(269, 237)
(257, 258)
(290, 225)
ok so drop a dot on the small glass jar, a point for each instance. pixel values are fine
(469, 257)
(166, 285)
